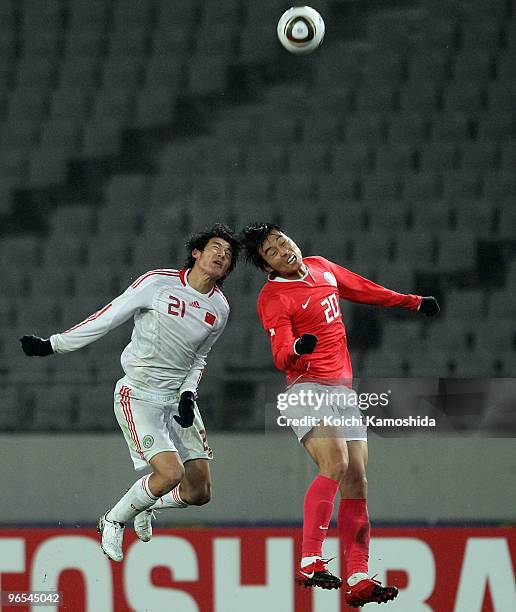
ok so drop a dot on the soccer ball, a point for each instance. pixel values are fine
(301, 29)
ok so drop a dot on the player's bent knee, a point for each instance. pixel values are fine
(336, 470)
(169, 478)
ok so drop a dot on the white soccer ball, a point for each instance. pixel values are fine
(301, 29)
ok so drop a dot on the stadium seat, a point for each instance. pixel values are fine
(11, 415)
(508, 155)
(96, 412)
(310, 157)
(266, 158)
(474, 216)
(322, 127)
(400, 337)
(225, 159)
(375, 97)
(498, 335)
(102, 137)
(499, 185)
(69, 104)
(450, 127)
(79, 74)
(155, 105)
(467, 305)
(464, 97)
(295, 186)
(279, 128)
(447, 337)
(429, 65)
(481, 34)
(479, 157)
(427, 363)
(207, 75)
(433, 218)
(502, 305)
(20, 251)
(498, 125)
(394, 158)
(439, 156)
(398, 277)
(457, 251)
(418, 248)
(421, 96)
(13, 165)
(351, 158)
(409, 128)
(387, 186)
(507, 221)
(164, 68)
(472, 66)
(423, 187)
(54, 411)
(368, 127)
(458, 185)
(48, 165)
(380, 364)
(54, 282)
(387, 215)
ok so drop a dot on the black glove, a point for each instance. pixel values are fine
(186, 409)
(429, 306)
(36, 346)
(306, 344)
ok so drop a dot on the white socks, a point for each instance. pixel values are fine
(354, 578)
(170, 500)
(138, 498)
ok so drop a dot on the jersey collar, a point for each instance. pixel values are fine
(183, 273)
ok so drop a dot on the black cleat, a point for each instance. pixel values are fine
(316, 575)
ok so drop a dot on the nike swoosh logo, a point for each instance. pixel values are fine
(303, 306)
(348, 592)
(307, 575)
(321, 527)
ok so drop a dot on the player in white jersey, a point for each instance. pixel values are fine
(178, 316)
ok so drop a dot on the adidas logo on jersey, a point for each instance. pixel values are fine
(195, 304)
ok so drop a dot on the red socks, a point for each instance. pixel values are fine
(354, 532)
(318, 509)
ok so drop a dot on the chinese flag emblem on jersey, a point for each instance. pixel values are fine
(210, 318)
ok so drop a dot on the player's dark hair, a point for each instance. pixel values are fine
(200, 240)
(253, 237)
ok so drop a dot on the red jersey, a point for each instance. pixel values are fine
(290, 308)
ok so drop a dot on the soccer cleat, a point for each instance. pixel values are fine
(143, 525)
(316, 575)
(369, 590)
(112, 536)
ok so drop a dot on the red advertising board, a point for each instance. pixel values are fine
(251, 569)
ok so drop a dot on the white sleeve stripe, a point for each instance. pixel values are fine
(158, 272)
(92, 317)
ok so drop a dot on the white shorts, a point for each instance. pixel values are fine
(147, 422)
(309, 404)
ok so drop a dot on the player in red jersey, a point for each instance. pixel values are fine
(299, 309)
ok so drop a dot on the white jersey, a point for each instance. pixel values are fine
(175, 326)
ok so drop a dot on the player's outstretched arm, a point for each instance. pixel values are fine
(429, 306)
(186, 410)
(34, 346)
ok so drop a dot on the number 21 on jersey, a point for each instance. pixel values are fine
(331, 307)
(176, 306)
